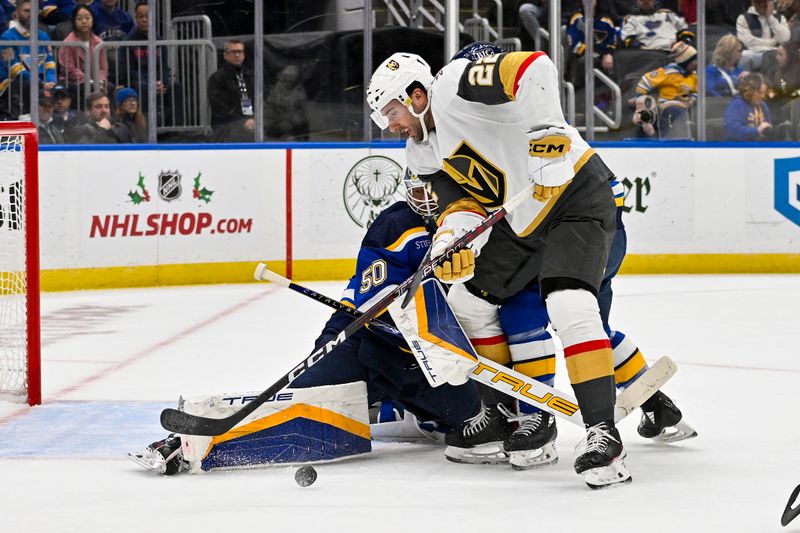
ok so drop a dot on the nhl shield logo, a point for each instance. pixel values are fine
(787, 188)
(169, 185)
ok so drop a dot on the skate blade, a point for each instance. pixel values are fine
(678, 432)
(530, 459)
(609, 476)
(485, 454)
(148, 462)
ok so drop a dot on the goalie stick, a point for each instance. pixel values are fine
(186, 424)
(507, 380)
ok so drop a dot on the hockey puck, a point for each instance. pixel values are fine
(305, 475)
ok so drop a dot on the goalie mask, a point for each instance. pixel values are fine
(419, 197)
(391, 81)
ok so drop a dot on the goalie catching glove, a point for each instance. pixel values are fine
(549, 166)
(461, 265)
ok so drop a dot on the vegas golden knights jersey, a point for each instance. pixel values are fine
(483, 113)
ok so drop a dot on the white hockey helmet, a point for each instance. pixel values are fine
(390, 81)
(419, 196)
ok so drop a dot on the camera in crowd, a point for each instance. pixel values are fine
(646, 110)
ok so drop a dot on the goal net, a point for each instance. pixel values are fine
(19, 264)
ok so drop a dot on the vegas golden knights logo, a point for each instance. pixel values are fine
(476, 175)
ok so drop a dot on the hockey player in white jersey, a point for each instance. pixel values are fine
(494, 125)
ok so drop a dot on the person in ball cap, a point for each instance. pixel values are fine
(48, 132)
(64, 117)
(675, 89)
(132, 126)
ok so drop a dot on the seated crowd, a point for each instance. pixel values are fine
(646, 46)
(750, 36)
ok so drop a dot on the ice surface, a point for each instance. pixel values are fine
(113, 359)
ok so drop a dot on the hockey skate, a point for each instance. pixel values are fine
(164, 456)
(602, 457)
(480, 439)
(533, 443)
(662, 421)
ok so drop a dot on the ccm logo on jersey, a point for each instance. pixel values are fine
(550, 146)
(556, 402)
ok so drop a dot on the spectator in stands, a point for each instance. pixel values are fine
(98, 128)
(688, 10)
(131, 124)
(791, 10)
(652, 29)
(725, 12)
(6, 14)
(74, 60)
(784, 78)
(605, 38)
(134, 72)
(676, 88)
(49, 133)
(64, 117)
(110, 22)
(747, 117)
(761, 31)
(723, 74)
(17, 62)
(287, 107)
(53, 12)
(532, 16)
(616, 10)
(230, 94)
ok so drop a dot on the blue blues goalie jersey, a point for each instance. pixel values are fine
(390, 253)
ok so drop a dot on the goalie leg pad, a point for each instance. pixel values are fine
(296, 426)
(435, 337)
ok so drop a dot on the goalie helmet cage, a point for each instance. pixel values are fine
(20, 361)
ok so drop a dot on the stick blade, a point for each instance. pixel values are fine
(644, 387)
(185, 424)
(790, 513)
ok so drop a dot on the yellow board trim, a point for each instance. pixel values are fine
(298, 410)
(70, 279)
(711, 264)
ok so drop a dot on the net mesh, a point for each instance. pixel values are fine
(13, 286)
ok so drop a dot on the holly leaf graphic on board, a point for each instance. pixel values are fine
(200, 192)
(140, 195)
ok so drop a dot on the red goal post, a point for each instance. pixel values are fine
(20, 356)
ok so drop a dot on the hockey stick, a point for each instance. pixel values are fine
(183, 423)
(507, 380)
(790, 513)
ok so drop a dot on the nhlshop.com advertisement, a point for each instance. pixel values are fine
(134, 208)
